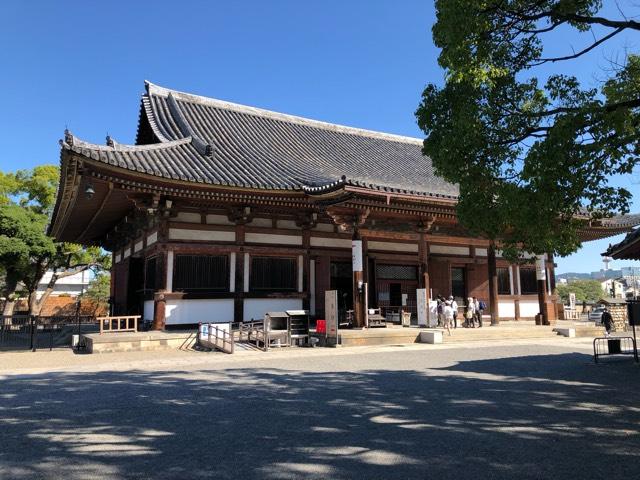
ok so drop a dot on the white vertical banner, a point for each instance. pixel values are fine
(232, 272)
(541, 269)
(331, 313)
(421, 305)
(356, 255)
(572, 301)
(169, 283)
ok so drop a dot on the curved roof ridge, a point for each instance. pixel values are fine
(153, 89)
(72, 141)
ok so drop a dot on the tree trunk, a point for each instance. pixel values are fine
(34, 305)
(9, 295)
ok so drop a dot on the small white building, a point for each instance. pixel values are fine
(614, 287)
(73, 285)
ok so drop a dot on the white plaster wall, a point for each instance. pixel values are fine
(138, 246)
(273, 239)
(529, 308)
(393, 246)
(152, 238)
(324, 227)
(261, 222)
(481, 252)
(204, 235)
(194, 311)
(330, 242)
(218, 220)
(287, 224)
(189, 217)
(256, 307)
(448, 250)
(506, 309)
(147, 311)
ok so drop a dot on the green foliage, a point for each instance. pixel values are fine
(26, 252)
(99, 290)
(529, 154)
(585, 290)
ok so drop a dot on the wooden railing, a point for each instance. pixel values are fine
(119, 324)
(216, 336)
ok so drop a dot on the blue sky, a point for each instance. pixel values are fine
(360, 62)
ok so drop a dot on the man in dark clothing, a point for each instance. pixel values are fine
(607, 321)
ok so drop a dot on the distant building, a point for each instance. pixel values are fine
(72, 285)
(615, 288)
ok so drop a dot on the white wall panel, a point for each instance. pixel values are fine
(529, 308)
(256, 307)
(392, 246)
(189, 217)
(218, 220)
(147, 310)
(152, 238)
(272, 239)
(448, 250)
(506, 309)
(202, 235)
(194, 311)
(330, 242)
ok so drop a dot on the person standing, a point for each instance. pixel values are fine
(448, 316)
(480, 308)
(440, 310)
(469, 314)
(607, 321)
(454, 307)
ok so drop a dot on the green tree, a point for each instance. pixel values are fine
(532, 156)
(585, 290)
(99, 291)
(26, 252)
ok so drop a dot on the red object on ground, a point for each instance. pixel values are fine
(321, 326)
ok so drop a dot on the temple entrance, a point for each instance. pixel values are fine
(459, 285)
(135, 287)
(342, 281)
(396, 290)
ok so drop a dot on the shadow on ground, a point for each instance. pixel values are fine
(533, 417)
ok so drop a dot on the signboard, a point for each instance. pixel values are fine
(331, 314)
(572, 301)
(356, 255)
(405, 297)
(541, 269)
(433, 313)
(421, 305)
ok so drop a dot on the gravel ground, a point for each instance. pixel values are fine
(528, 410)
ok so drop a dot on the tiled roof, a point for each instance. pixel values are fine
(257, 148)
(618, 250)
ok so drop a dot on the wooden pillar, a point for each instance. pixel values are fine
(159, 300)
(493, 284)
(159, 311)
(306, 269)
(358, 279)
(242, 269)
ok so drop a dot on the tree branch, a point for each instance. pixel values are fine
(581, 52)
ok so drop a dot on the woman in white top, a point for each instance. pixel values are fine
(470, 313)
(448, 316)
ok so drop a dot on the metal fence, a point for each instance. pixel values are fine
(31, 332)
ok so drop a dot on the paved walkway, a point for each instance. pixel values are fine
(524, 409)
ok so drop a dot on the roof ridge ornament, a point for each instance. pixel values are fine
(68, 137)
(201, 146)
